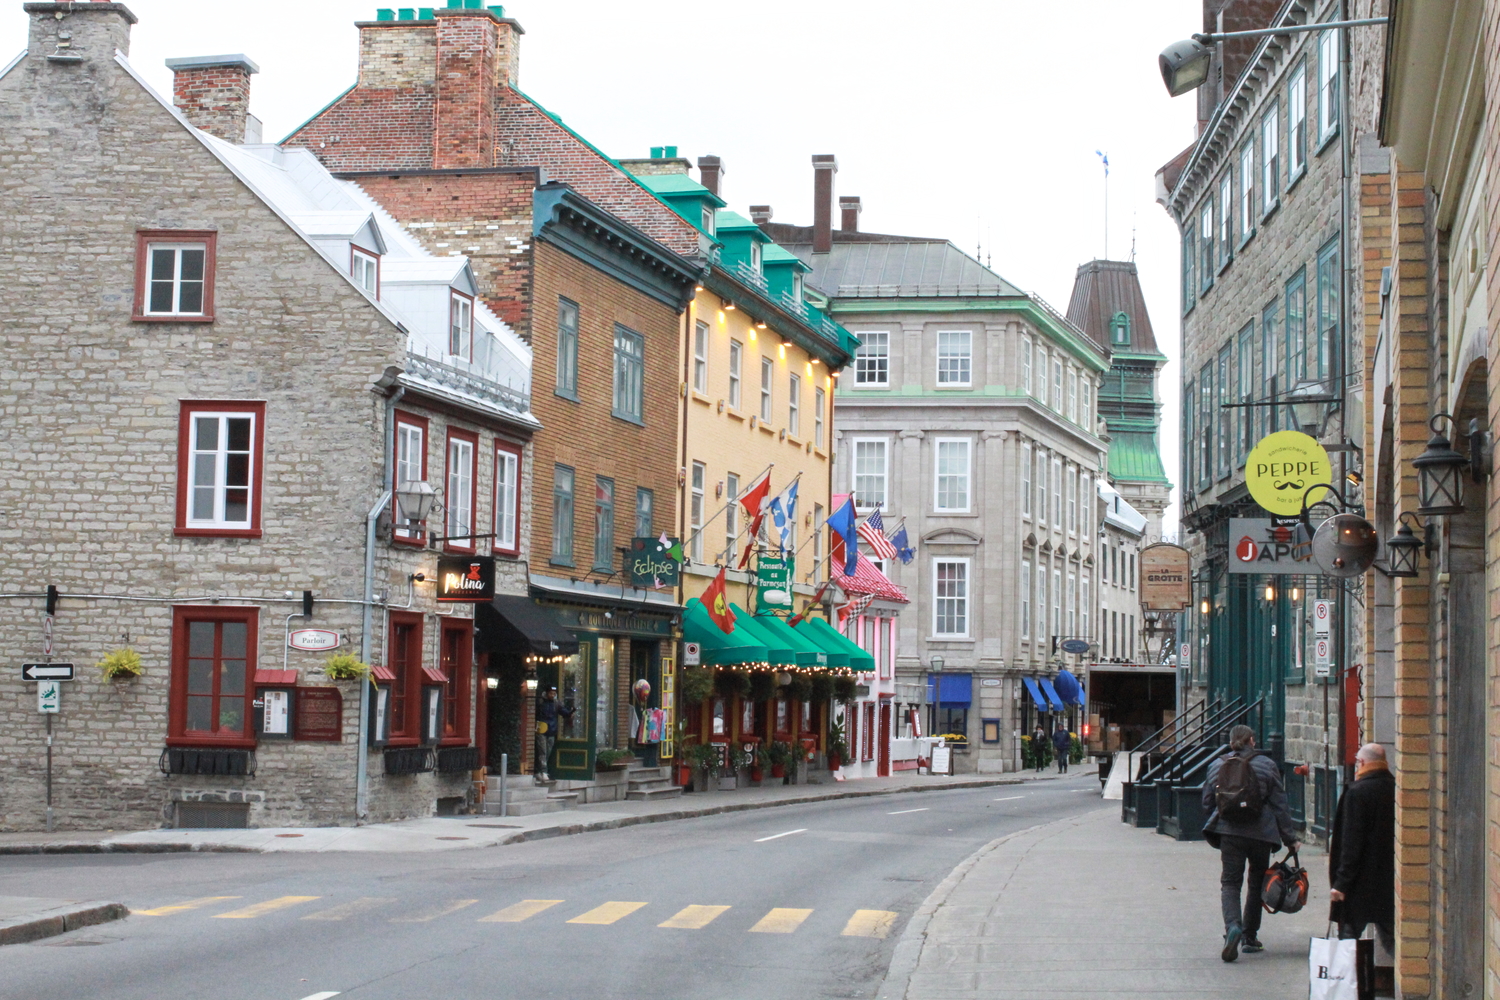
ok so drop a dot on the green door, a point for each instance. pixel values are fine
(1250, 649)
(577, 687)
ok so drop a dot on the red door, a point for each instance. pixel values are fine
(883, 749)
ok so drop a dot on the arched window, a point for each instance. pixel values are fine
(1119, 329)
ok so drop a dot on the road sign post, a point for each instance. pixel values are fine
(46, 671)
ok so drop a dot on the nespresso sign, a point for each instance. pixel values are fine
(469, 580)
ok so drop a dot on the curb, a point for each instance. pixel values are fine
(36, 928)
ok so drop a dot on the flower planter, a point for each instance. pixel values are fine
(757, 775)
(834, 763)
(778, 770)
(703, 781)
(684, 775)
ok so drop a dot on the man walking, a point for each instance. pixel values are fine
(1062, 742)
(1247, 819)
(1362, 850)
(547, 713)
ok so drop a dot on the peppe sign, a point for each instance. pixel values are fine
(1260, 545)
(1283, 468)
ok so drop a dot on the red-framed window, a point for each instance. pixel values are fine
(174, 275)
(461, 326)
(867, 751)
(461, 493)
(410, 465)
(364, 267)
(457, 664)
(404, 661)
(507, 507)
(220, 454)
(851, 730)
(887, 648)
(213, 669)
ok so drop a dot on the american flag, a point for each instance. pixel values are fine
(872, 530)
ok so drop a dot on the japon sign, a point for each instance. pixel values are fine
(1260, 545)
(1166, 577)
(466, 579)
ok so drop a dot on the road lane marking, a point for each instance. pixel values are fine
(257, 909)
(780, 921)
(1010, 798)
(693, 918)
(433, 912)
(607, 913)
(192, 904)
(321, 996)
(517, 912)
(869, 923)
(352, 908)
(903, 812)
(777, 836)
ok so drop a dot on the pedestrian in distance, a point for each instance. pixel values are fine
(1039, 747)
(1062, 742)
(1362, 850)
(548, 711)
(1247, 819)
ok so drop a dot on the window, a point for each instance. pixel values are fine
(630, 374)
(213, 664)
(1026, 365)
(1296, 122)
(1057, 383)
(604, 523)
(793, 405)
(1026, 480)
(411, 467)
(1189, 255)
(461, 326)
(1071, 482)
(645, 511)
(1244, 374)
(1266, 415)
(1084, 603)
(507, 499)
(1206, 247)
(872, 360)
(1042, 367)
(1247, 190)
(562, 515)
(817, 539)
(1057, 493)
(1206, 424)
(404, 661)
(1270, 161)
(365, 269)
(951, 593)
(567, 348)
(174, 275)
(797, 287)
(755, 256)
(1328, 85)
(1041, 598)
(708, 219)
(458, 499)
(1057, 597)
(1320, 360)
(1086, 401)
(1119, 329)
(1072, 597)
(1085, 503)
(456, 661)
(1223, 384)
(869, 473)
(1041, 486)
(1188, 413)
(767, 373)
(220, 445)
(736, 357)
(1073, 395)
(819, 396)
(1025, 598)
(731, 515)
(1226, 218)
(1296, 330)
(955, 356)
(952, 474)
(700, 356)
(695, 511)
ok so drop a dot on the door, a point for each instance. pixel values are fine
(577, 689)
(883, 745)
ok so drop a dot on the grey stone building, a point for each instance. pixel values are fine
(970, 412)
(219, 362)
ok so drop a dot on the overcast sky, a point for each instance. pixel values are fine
(975, 120)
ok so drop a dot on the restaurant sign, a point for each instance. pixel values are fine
(1260, 545)
(654, 563)
(773, 584)
(466, 579)
(1166, 577)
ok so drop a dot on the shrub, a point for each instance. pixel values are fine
(124, 662)
(345, 667)
(800, 688)
(732, 683)
(696, 684)
(822, 686)
(843, 687)
(762, 685)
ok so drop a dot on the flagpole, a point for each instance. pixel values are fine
(689, 540)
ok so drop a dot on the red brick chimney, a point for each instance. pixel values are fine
(468, 69)
(213, 93)
(825, 165)
(849, 209)
(711, 173)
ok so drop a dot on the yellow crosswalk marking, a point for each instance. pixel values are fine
(780, 921)
(433, 912)
(257, 909)
(517, 912)
(192, 904)
(608, 913)
(351, 909)
(869, 923)
(692, 918)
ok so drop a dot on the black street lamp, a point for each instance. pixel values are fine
(1440, 486)
(1403, 549)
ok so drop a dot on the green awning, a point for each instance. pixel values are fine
(781, 654)
(822, 654)
(719, 649)
(830, 638)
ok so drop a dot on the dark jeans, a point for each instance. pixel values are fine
(1236, 852)
(1062, 762)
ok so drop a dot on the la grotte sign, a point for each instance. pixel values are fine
(1282, 467)
(1166, 577)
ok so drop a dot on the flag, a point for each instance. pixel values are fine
(801, 616)
(855, 607)
(754, 502)
(717, 604)
(904, 551)
(1105, 157)
(783, 512)
(873, 532)
(842, 544)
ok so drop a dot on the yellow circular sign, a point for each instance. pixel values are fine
(1282, 467)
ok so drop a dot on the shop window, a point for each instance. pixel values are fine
(404, 661)
(213, 659)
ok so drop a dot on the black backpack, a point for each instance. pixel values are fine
(1237, 790)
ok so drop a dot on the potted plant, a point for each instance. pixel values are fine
(837, 748)
(684, 767)
(122, 664)
(704, 760)
(822, 686)
(612, 760)
(345, 667)
(762, 685)
(732, 683)
(759, 761)
(845, 687)
(695, 684)
(800, 688)
(779, 754)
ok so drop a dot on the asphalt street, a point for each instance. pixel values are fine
(802, 901)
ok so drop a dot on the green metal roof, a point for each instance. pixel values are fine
(775, 253)
(1134, 457)
(831, 638)
(677, 184)
(727, 219)
(810, 651)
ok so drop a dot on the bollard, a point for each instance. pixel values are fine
(504, 773)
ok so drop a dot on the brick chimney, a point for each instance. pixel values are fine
(711, 173)
(849, 209)
(760, 214)
(825, 165)
(213, 94)
(71, 33)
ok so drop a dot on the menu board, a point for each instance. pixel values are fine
(320, 714)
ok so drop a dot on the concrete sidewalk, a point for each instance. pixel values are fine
(30, 918)
(1089, 907)
(462, 832)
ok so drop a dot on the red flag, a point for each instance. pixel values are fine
(754, 502)
(801, 616)
(717, 603)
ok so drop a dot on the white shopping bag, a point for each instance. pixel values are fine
(1331, 970)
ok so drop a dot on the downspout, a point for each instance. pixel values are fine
(362, 765)
(1341, 372)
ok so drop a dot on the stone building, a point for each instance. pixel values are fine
(971, 414)
(207, 412)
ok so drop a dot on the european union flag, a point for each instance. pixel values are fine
(904, 551)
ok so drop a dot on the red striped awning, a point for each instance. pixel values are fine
(384, 675)
(867, 579)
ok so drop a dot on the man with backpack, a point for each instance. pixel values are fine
(1247, 819)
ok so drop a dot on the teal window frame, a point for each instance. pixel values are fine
(564, 481)
(1205, 425)
(1189, 401)
(1326, 329)
(1224, 438)
(1245, 389)
(629, 398)
(1189, 259)
(1206, 234)
(1269, 320)
(1119, 329)
(1294, 324)
(567, 349)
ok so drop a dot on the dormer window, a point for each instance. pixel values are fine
(1119, 330)
(797, 288)
(461, 326)
(708, 219)
(365, 268)
(755, 256)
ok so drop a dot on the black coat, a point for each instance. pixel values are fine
(1362, 851)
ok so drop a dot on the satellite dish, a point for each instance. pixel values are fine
(1345, 545)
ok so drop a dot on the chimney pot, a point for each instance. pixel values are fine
(825, 165)
(849, 208)
(760, 214)
(213, 93)
(711, 173)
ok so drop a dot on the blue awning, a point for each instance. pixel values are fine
(1057, 702)
(1036, 693)
(956, 689)
(1067, 685)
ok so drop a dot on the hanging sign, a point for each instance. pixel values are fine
(773, 584)
(1259, 545)
(1282, 467)
(466, 579)
(652, 565)
(313, 638)
(1076, 646)
(1322, 615)
(1166, 577)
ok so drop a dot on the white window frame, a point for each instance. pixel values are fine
(1296, 121)
(1071, 600)
(1328, 85)
(1084, 603)
(1043, 366)
(1057, 601)
(214, 473)
(820, 402)
(411, 444)
(1041, 598)
(1026, 459)
(1073, 394)
(364, 267)
(1085, 504)
(1247, 190)
(870, 446)
(736, 360)
(177, 248)
(1025, 598)
(700, 356)
(1085, 401)
(1057, 383)
(959, 601)
(872, 358)
(794, 404)
(755, 256)
(1270, 160)
(695, 511)
(1070, 485)
(1043, 477)
(767, 377)
(940, 478)
(507, 488)
(461, 326)
(731, 513)
(458, 500)
(1057, 492)
(1026, 365)
(959, 359)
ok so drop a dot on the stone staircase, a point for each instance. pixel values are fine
(650, 783)
(522, 798)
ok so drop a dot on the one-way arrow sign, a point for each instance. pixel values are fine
(46, 671)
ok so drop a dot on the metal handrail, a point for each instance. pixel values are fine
(1170, 768)
(1182, 722)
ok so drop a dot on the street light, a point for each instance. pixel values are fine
(414, 500)
(1440, 488)
(1184, 66)
(1403, 549)
(1309, 403)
